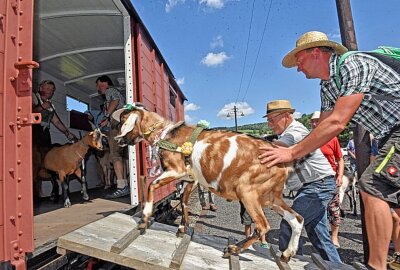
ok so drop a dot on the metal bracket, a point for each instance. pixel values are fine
(24, 76)
(29, 119)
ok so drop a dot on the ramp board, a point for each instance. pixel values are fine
(157, 247)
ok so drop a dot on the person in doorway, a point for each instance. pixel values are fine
(114, 101)
(333, 154)
(318, 183)
(41, 103)
(202, 197)
(368, 95)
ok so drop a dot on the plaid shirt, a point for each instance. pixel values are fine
(362, 73)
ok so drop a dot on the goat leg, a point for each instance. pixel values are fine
(65, 182)
(183, 227)
(164, 179)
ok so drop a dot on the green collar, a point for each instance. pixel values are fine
(166, 145)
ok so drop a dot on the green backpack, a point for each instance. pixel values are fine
(388, 55)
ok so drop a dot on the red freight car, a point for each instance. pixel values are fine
(74, 42)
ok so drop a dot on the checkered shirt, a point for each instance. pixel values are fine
(362, 73)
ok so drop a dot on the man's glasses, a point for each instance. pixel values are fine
(272, 119)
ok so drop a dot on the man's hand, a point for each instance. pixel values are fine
(103, 122)
(275, 155)
(71, 136)
(46, 105)
(339, 181)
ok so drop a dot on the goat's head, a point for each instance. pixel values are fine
(130, 117)
(96, 139)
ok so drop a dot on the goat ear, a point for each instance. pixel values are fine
(91, 133)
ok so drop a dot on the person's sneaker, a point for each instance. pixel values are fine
(395, 263)
(264, 245)
(120, 192)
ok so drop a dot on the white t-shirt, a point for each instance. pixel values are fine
(314, 166)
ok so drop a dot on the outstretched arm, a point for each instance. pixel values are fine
(329, 126)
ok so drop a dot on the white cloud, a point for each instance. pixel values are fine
(172, 3)
(217, 42)
(335, 36)
(242, 109)
(180, 81)
(189, 119)
(191, 107)
(217, 4)
(297, 115)
(215, 59)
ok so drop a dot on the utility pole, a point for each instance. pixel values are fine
(361, 136)
(235, 112)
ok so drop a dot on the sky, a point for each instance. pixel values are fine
(226, 53)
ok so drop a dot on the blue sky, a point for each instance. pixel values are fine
(206, 45)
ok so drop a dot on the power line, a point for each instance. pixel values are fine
(245, 56)
(258, 52)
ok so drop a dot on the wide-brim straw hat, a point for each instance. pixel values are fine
(316, 115)
(280, 105)
(310, 40)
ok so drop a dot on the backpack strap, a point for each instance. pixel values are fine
(384, 58)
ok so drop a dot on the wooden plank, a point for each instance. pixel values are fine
(320, 262)
(205, 252)
(181, 250)
(282, 265)
(152, 250)
(122, 243)
(233, 258)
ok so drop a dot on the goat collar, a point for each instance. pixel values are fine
(186, 148)
(151, 129)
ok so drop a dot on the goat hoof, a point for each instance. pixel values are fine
(85, 197)
(67, 203)
(180, 234)
(230, 250)
(284, 259)
(142, 225)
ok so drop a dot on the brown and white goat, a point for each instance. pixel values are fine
(67, 159)
(224, 162)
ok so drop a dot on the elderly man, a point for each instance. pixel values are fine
(317, 177)
(368, 93)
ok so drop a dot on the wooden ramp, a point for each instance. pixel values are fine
(159, 248)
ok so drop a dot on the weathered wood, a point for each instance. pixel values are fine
(181, 250)
(320, 262)
(282, 265)
(62, 251)
(125, 241)
(151, 250)
(234, 263)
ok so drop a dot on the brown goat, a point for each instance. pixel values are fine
(224, 162)
(67, 159)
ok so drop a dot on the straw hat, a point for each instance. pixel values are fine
(316, 115)
(281, 105)
(310, 40)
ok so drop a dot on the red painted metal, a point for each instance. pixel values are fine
(16, 218)
(154, 82)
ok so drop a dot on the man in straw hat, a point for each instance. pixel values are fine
(315, 177)
(368, 94)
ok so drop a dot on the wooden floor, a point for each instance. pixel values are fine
(158, 247)
(53, 220)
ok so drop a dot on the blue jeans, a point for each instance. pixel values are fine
(311, 203)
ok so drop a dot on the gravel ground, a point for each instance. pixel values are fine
(226, 222)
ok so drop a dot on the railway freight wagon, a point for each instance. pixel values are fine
(71, 43)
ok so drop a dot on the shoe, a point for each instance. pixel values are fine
(213, 207)
(120, 192)
(395, 263)
(264, 245)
